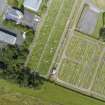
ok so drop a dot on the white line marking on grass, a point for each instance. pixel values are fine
(38, 29)
(95, 74)
(50, 35)
(71, 34)
(64, 36)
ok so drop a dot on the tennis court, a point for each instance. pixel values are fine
(88, 19)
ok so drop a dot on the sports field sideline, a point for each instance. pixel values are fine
(82, 65)
(50, 35)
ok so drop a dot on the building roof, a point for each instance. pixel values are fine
(7, 37)
(14, 14)
(3, 4)
(30, 20)
(33, 5)
(27, 19)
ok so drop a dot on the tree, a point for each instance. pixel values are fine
(103, 18)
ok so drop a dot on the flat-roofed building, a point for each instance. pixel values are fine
(33, 5)
(7, 37)
(14, 15)
(3, 5)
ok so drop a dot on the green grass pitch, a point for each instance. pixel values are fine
(50, 35)
(80, 61)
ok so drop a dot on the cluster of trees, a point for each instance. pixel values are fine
(12, 59)
(20, 3)
(12, 68)
(102, 34)
(24, 77)
(102, 29)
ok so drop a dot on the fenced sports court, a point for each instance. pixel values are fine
(82, 66)
(88, 19)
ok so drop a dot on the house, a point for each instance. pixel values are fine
(7, 37)
(27, 18)
(33, 5)
(14, 15)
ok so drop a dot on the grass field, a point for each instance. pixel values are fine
(50, 35)
(82, 64)
(78, 67)
(48, 94)
(7, 98)
(80, 61)
(99, 83)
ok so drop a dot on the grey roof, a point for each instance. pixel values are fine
(30, 20)
(7, 37)
(14, 14)
(33, 5)
(3, 4)
(88, 21)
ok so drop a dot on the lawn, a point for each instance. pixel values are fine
(99, 3)
(99, 84)
(12, 2)
(48, 94)
(10, 98)
(79, 63)
(50, 35)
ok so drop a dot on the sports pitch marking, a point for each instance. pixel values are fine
(44, 49)
(81, 63)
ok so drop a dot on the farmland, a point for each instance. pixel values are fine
(50, 35)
